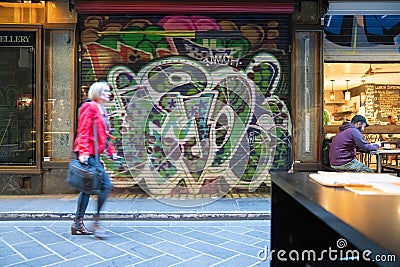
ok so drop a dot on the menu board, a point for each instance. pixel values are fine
(381, 101)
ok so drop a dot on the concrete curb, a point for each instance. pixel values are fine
(140, 216)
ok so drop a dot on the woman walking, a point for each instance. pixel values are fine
(93, 111)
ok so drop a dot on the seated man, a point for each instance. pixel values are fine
(392, 120)
(342, 152)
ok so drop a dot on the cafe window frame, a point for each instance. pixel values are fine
(308, 100)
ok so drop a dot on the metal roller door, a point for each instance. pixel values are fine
(200, 102)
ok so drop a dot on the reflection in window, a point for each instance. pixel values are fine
(57, 95)
(17, 131)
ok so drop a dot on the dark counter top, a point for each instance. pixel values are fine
(368, 221)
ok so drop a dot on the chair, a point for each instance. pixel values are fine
(371, 138)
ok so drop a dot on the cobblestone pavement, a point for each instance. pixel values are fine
(136, 243)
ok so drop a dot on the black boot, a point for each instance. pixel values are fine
(78, 228)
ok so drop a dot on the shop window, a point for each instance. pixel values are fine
(24, 12)
(17, 98)
(58, 95)
(52, 11)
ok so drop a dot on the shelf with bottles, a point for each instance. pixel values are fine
(335, 103)
(343, 112)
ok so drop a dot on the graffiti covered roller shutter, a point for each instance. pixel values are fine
(200, 103)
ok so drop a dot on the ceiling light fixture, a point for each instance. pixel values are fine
(347, 95)
(332, 94)
(362, 97)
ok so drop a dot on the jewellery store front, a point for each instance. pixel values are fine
(37, 84)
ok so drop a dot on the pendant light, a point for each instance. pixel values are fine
(347, 96)
(362, 94)
(332, 94)
(362, 97)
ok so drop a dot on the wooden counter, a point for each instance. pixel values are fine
(372, 129)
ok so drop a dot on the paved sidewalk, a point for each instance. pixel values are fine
(136, 243)
(35, 231)
(117, 207)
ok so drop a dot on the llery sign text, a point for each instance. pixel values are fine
(17, 38)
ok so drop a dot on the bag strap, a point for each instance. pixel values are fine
(96, 150)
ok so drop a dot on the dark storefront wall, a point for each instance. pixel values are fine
(199, 99)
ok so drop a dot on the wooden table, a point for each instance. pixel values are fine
(383, 152)
(307, 216)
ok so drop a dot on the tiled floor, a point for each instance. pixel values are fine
(136, 243)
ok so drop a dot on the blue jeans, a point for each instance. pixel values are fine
(83, 199)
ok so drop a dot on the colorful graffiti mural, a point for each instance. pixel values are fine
(362, 35)
(192, 115)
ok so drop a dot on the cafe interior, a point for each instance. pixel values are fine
(368, 89)
(346, 86)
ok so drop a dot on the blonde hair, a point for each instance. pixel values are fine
(96, 89)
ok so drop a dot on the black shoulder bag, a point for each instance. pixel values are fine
(84, 177)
